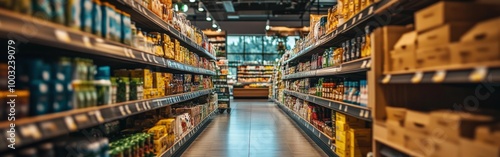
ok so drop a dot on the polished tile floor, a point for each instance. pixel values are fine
(255, 128)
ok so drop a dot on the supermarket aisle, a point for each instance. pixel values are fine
(255, 128)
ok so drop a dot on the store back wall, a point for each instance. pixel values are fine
(246, 27)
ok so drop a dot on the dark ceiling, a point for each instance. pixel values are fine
(259, 10)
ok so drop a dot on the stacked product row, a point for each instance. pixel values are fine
(338, 89)
(358, 47)
(145, 135)
(451, 40)
(321, 25)
(51, 86)
(351, 136)
(105, 20)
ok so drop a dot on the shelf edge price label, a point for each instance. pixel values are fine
(70, 123)
(417, 77)
(367, 114)
(125, 51)
(439, 76)
(144, 57)
(386, 79)
(149, 58)
(360, 15)
(478, 74)
(345, 109)
(164, 61)
(329, 104)
(31, 130)
(86, 41)
(370, 11)
(353, 20)
(122, 111)
(361, 113)
(62, 35)
(364, 64)
(340, 107)
(99, 117)
(138, 107)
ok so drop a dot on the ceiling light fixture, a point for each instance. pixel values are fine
(208, 17)
(192, 1)
(200, 6)
(214, 25)
(267, 25)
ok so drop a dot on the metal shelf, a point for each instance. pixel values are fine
(48, 126)
(150, 20)
(359, 65)
(318, 136)
(350, 109)
(58, 36)
(185, 141)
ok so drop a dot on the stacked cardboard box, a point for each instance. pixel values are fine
(352, 138)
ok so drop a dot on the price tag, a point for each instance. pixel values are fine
(367, 114)
(478, 74)
(345, 26)
(329, 104)
(81, 118)
(370, 11)
(386, 79)
(122, 111)
(164, 63)
(439, 76)
(345, 109)
(364, 64)
(154, 59)
(353, 20)
(360, 15)
(149, 58)
(144, 57)
(319, 134)
(340, 107)
(86, 41)
(31, 131)
(138, 107)
(417, 77)
(369, 64)
(62, 36)
(70, 123)
(125, 51)
(98, 115)
(145, 107)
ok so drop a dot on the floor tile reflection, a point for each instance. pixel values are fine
(255, 128)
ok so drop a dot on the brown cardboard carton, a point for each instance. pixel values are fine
(359, 137)
(395, 113)
(433, 56)
(475, 52)
(469, 148)
(417, 121)
(403, 60)
(449, 11)
(395, 132)
(417, 141)
(443, 35)
(486, 30)
(407, 42)
(454, 125)
(384, 39)
(489, 134)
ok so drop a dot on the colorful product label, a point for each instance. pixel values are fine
(86, 15)
(74, 14)
(127, 30)
(97, 19)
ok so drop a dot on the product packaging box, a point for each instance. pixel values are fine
(478, 149)
(395, 132)
(168, 123)
(160, 144)
(489, 134)
(403, 61)
(443, 35)
(432, 56)
(384, 39)
(458, 125)
(417, 121)
(359, 137)
(446, 11)
(395, 113)
(359, 151)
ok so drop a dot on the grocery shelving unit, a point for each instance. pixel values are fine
(431, 98)
(253, 81)
(53, 38)
(218, 40)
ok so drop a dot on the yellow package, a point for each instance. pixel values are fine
(157, 131)
(177, 49)
(168, 47)
(145, 74)
(170, 139)
(168, 123)
(160, 144)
